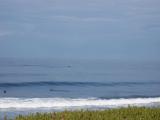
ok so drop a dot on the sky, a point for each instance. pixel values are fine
(92, 29)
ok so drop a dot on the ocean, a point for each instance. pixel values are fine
(45, 85)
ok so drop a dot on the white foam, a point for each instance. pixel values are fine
(33, 103)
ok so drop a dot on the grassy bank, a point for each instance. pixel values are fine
(130, 113)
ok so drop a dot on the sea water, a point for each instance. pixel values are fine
(40, 85)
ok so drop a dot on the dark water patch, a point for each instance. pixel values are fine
(44, 66)
(35, 65)
(80, 84)
(129, 96)
(21, 74)
(55, 90)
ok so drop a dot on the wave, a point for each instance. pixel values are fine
(56, 83)
(64, 103)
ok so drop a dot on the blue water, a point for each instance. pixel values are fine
(56, 80)
(81, 89)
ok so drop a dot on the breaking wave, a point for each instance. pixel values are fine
(64, 103)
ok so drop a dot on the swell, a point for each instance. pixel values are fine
(56, 83)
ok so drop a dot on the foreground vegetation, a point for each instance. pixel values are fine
(130, 113)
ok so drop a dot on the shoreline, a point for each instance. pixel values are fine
(12, 107)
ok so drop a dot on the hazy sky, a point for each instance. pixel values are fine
(107, 29)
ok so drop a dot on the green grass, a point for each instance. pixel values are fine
(130, 113)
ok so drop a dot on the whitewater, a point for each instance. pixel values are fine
(64, 103)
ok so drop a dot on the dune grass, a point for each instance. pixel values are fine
(130, 113)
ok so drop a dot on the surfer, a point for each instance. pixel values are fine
(4, 91)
